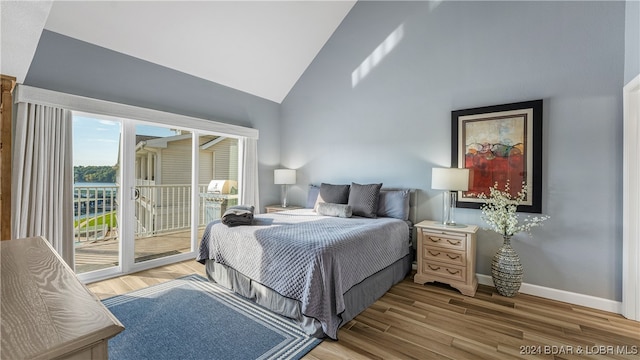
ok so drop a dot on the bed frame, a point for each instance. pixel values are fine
(357, 299)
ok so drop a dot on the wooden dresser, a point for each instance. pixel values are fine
(46, 312)
(447, 255)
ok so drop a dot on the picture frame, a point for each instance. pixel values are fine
(499, 143)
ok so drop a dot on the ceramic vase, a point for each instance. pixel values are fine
(506, 269)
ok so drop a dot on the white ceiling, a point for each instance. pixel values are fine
(21, 24)
(259, 47)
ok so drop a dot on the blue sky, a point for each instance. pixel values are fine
(96, 141)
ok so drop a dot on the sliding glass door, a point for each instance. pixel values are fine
(140, 201)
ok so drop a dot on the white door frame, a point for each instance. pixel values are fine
(631, 201)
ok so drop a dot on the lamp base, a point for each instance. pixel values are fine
(284, 196)
(448, 209)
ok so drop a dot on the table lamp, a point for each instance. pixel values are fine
(451, 180)
(284, 177)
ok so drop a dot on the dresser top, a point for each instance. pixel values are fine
(46, 310)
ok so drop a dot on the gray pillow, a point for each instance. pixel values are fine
(364, 199)
(312, 196)
(394, 203)
(337, 194)
(337, 210)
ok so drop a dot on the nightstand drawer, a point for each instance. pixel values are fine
(430, 253)
(444, 239)
(451, 272)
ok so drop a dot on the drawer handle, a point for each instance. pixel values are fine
(453, 272)
(434, 239)
(453, 257)
(434, 268)
(434, 254)
(453, 242)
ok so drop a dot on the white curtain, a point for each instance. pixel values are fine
(43, 177)
(249, 177)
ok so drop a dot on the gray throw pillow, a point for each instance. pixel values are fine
(394, 203)
(312, 196)
(336, 194)
(337, 210)
(364, 199)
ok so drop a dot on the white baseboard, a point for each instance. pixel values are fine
(561, 295)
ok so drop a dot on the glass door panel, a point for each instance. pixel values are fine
(162, 192)
(96, 190)
(217, 177)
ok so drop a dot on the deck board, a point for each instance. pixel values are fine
(96, 255)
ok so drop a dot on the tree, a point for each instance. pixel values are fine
(100, 174)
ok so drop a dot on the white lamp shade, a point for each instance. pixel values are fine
(284, 176)
(450, 179)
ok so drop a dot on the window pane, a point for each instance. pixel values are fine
(163, 186)
(218, 171)
(96, 188)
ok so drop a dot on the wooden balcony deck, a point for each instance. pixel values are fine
(97, 255)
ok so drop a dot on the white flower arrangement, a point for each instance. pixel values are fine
(499, 211)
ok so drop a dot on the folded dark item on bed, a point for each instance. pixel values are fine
(238, 215)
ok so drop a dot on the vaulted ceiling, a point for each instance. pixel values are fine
(259, 47)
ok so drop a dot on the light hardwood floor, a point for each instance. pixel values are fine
(437, 322)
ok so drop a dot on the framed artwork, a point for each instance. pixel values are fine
(497, 144)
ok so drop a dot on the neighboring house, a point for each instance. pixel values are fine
(163, 178)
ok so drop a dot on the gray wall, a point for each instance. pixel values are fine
(632, 40)
(394, 125)
(68, 65)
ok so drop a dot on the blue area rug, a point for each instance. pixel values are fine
(193, 318)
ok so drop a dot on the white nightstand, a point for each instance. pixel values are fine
(447, 255)
(278, 207)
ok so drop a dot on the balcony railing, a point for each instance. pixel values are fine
(164, 208)
(158, 209)
(95, 209)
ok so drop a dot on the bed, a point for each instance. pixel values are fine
(320, 270)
